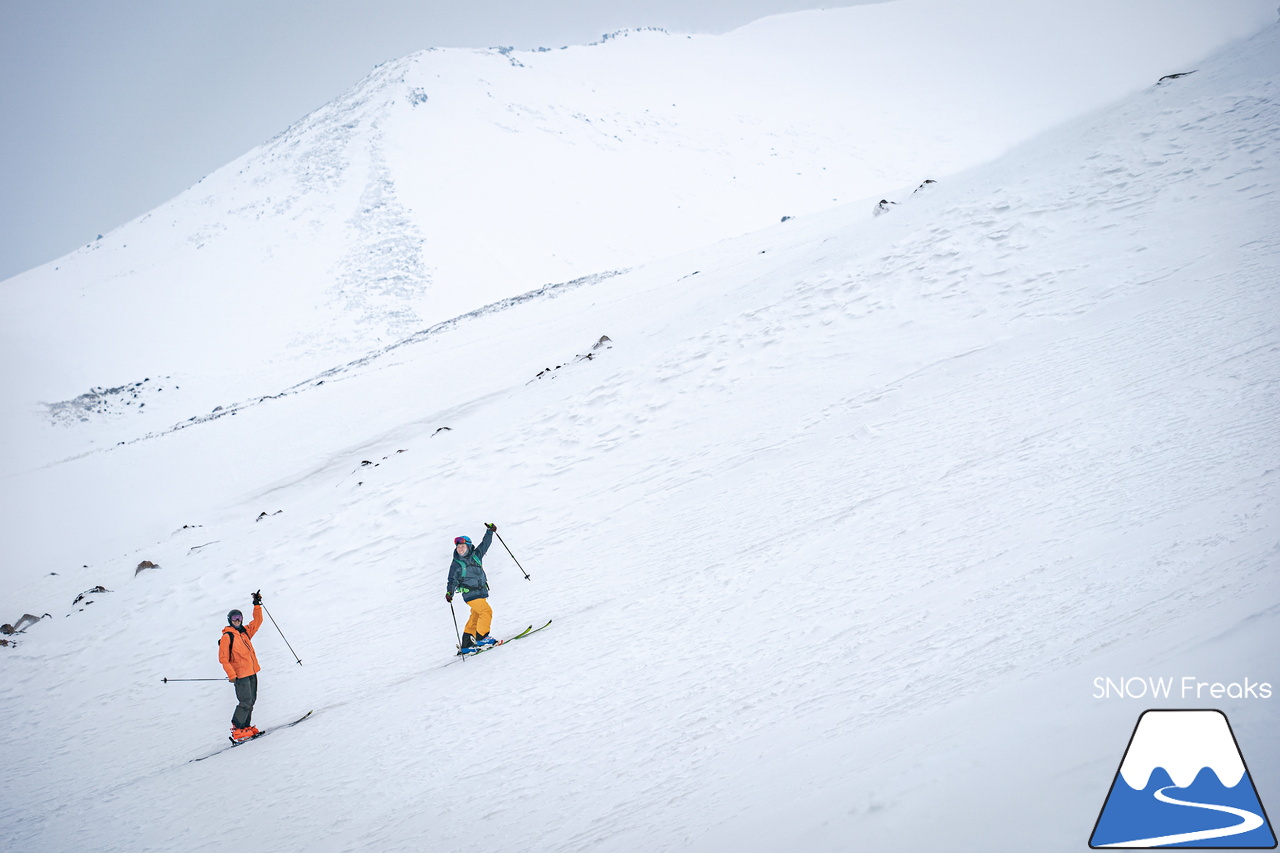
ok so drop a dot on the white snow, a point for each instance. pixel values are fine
(836, 535)
(450, 179)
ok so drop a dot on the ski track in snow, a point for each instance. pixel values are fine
(810, 497)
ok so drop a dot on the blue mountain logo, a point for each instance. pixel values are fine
(1183, 783)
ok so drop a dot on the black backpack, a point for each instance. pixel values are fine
(231, 642)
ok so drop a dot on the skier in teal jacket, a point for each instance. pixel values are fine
(466, 575)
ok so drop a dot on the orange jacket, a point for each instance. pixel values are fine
(236, 653)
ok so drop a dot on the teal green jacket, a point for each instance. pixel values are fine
(466, 573)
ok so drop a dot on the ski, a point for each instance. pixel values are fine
(536, 630)
(526, 632)
(262, 733)
(500, 642)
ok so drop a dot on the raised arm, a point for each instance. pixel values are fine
(252, 627)
(485, 543)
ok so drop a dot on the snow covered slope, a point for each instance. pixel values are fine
(453, 178)
(837, 530)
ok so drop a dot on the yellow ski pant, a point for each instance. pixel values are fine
(481, 617)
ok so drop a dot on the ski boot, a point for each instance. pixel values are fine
(486, 640)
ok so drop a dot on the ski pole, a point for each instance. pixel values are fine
(455, 629)
(282, 636)
(167, 680)
(513, 556)
(455, 623)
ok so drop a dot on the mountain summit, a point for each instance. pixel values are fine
(450, 179)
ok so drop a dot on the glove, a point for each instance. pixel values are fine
(448, 596)
(491, 526)
(257, 598)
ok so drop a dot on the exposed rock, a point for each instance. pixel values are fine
(94, 591)
(100, 402)
(599, 346)
(22, 624)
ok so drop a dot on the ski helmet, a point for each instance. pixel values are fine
(463, 539)
(233, 614)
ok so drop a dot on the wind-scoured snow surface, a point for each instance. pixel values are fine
(836, 533)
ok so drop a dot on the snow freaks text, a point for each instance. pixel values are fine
(1186, 687)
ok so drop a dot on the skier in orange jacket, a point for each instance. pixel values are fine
(236, 654)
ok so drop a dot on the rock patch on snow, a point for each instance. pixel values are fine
(84, 596)
(21, 625)
(598, 347)
(103, 402)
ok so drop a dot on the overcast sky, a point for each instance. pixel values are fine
(109, 108)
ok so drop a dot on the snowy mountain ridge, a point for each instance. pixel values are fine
(451, 179)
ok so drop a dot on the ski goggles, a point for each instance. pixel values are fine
(237, 618)
(462, 540)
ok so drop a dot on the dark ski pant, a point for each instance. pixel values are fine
(247, 693)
